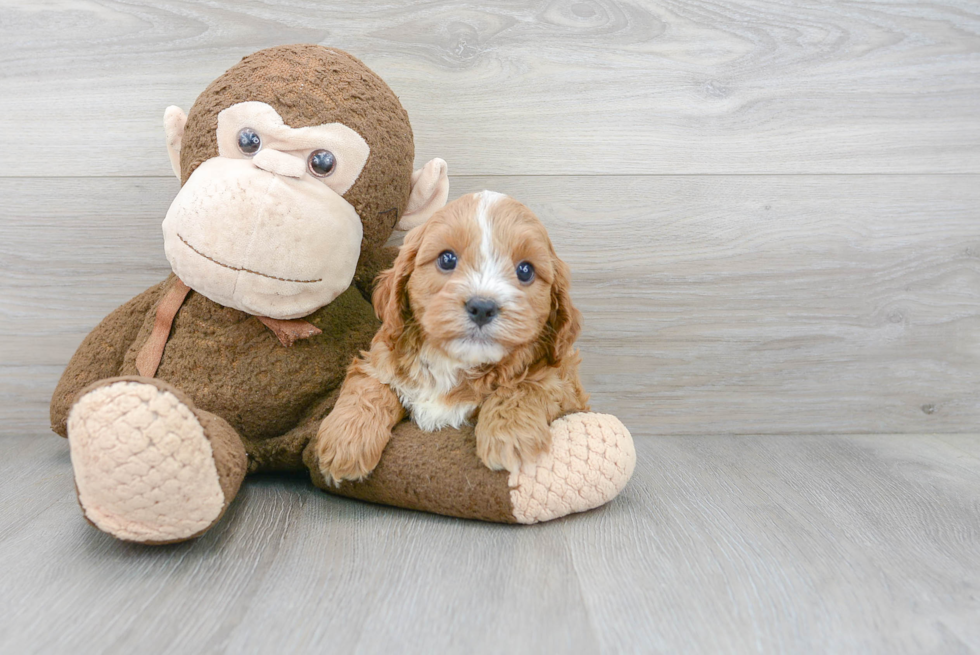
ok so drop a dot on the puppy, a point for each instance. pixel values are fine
(477, 324)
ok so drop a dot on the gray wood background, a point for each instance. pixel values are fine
(772, 214)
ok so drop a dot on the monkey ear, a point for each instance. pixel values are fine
(174, 120)
(430, 190)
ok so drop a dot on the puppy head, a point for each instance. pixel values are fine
(481, 280)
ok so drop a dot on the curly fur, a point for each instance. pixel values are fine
(514, 377)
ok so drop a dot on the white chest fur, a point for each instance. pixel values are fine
(424, 393)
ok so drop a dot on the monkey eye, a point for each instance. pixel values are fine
(446, 260)
(322, 163)
(248, 141)
(525, 272)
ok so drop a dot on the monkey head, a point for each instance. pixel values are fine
(295, 168)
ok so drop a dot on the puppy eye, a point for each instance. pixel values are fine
(322, 163)
(446, 260)
(525, 272)
(248, 141)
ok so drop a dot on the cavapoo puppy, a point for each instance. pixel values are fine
(477, 326)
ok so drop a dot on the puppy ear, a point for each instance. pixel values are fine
(565, 320)
(390, 297)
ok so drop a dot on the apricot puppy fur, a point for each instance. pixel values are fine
(477, 325)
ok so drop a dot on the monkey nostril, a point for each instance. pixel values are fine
(481, 310)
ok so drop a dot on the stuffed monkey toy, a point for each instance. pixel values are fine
(295, 168)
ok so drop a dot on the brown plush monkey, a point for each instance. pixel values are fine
(296, 166)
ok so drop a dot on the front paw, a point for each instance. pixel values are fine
(348, 450)
(506, 448)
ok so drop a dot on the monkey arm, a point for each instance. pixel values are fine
(370, 265)
(101, 353)
(435, 472)
(590, 461)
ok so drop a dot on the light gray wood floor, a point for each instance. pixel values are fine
(720, 544)
(772, 215)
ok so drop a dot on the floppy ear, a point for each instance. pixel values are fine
(174, 120)
(430, 190)
(390, 297)
(565, 320)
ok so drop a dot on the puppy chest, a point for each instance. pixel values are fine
(431, 410)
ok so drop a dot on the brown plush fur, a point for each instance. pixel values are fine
(231, 365)
(421, 308)
(430, 471)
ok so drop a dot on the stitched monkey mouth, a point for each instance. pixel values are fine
(243, 269)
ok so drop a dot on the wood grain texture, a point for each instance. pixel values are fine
(732, 304)
(772, 214)
(848, 544)
(543, 87)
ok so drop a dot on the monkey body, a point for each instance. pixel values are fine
(233, 366)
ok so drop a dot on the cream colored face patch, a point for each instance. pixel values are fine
(266, 244)
(264, 227)
(349, 149)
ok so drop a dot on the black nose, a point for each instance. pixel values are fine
(481, 310)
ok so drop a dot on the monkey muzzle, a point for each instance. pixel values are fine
(267, 243)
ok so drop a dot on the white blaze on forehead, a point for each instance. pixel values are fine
(487, 200)
(489, 278)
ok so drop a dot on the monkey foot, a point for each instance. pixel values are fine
(145, 469)
(591, 459)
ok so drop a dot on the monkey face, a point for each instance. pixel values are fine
(296, 165)
(263, 227)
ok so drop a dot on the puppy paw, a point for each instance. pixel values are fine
(348, 451)
(501, 448)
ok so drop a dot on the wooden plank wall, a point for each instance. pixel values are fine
(771, 209)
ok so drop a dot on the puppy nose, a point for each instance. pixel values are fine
(481, 310)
